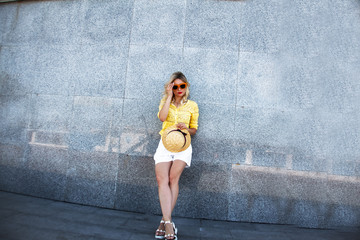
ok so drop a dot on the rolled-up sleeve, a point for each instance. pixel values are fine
(194, 116)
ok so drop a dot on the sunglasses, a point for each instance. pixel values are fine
(182, 86)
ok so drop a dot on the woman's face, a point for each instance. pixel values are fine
(180, 88)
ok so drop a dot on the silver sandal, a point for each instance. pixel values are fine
(172, 236)
(160, 231)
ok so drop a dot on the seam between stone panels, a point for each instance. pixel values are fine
(116, 181)
(128, 56)
(71, 120)
(184, 28)
(30, 98)
(236, 88)
(237, 71)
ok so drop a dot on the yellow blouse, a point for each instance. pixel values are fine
(187, 113)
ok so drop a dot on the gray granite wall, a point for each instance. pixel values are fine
(277, 83)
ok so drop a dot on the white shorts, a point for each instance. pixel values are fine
(163, 155)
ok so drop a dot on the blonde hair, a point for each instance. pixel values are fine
(173, 77)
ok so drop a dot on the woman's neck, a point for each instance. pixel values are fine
(177, 101)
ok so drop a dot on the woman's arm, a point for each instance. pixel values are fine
(165, 109)
(192, 131)
(193, 125)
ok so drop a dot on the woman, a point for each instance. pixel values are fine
(175, 109)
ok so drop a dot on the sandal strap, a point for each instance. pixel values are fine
(158, 230)
(172, 223)
(172, 235)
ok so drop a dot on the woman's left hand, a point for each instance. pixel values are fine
(181, 126)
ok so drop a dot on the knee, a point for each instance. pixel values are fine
(162, 180)
(173, 179)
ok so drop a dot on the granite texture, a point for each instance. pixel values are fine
(148, 70)
(27, 25)
(13, 167)
(213, 75)
(7, 13)
(259, 83)
(203, 150)
(17, 64)
(91, 178)
(217, 129)
(136, 186)
(138, 132)
(61, 23)
(50, 112)
(203, 189)
(259, 193)
(103, 67)
(107, 22)
(158, 23)
(91, 114)
(214, 25)
(46, 171)
(260, 28)
(141, 115)
(14, 118)
(276, 84)
(54, 67)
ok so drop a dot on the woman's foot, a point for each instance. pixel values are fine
(160, 232)
(170, 232)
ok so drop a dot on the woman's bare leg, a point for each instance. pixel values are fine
(168, 176)
(162, 171)
(175, 172)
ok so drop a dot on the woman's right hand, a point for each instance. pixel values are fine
(169, 90)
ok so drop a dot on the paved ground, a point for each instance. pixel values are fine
(24, 217)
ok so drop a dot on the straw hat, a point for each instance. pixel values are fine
(176, 140)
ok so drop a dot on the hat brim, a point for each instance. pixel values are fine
(172, 144)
